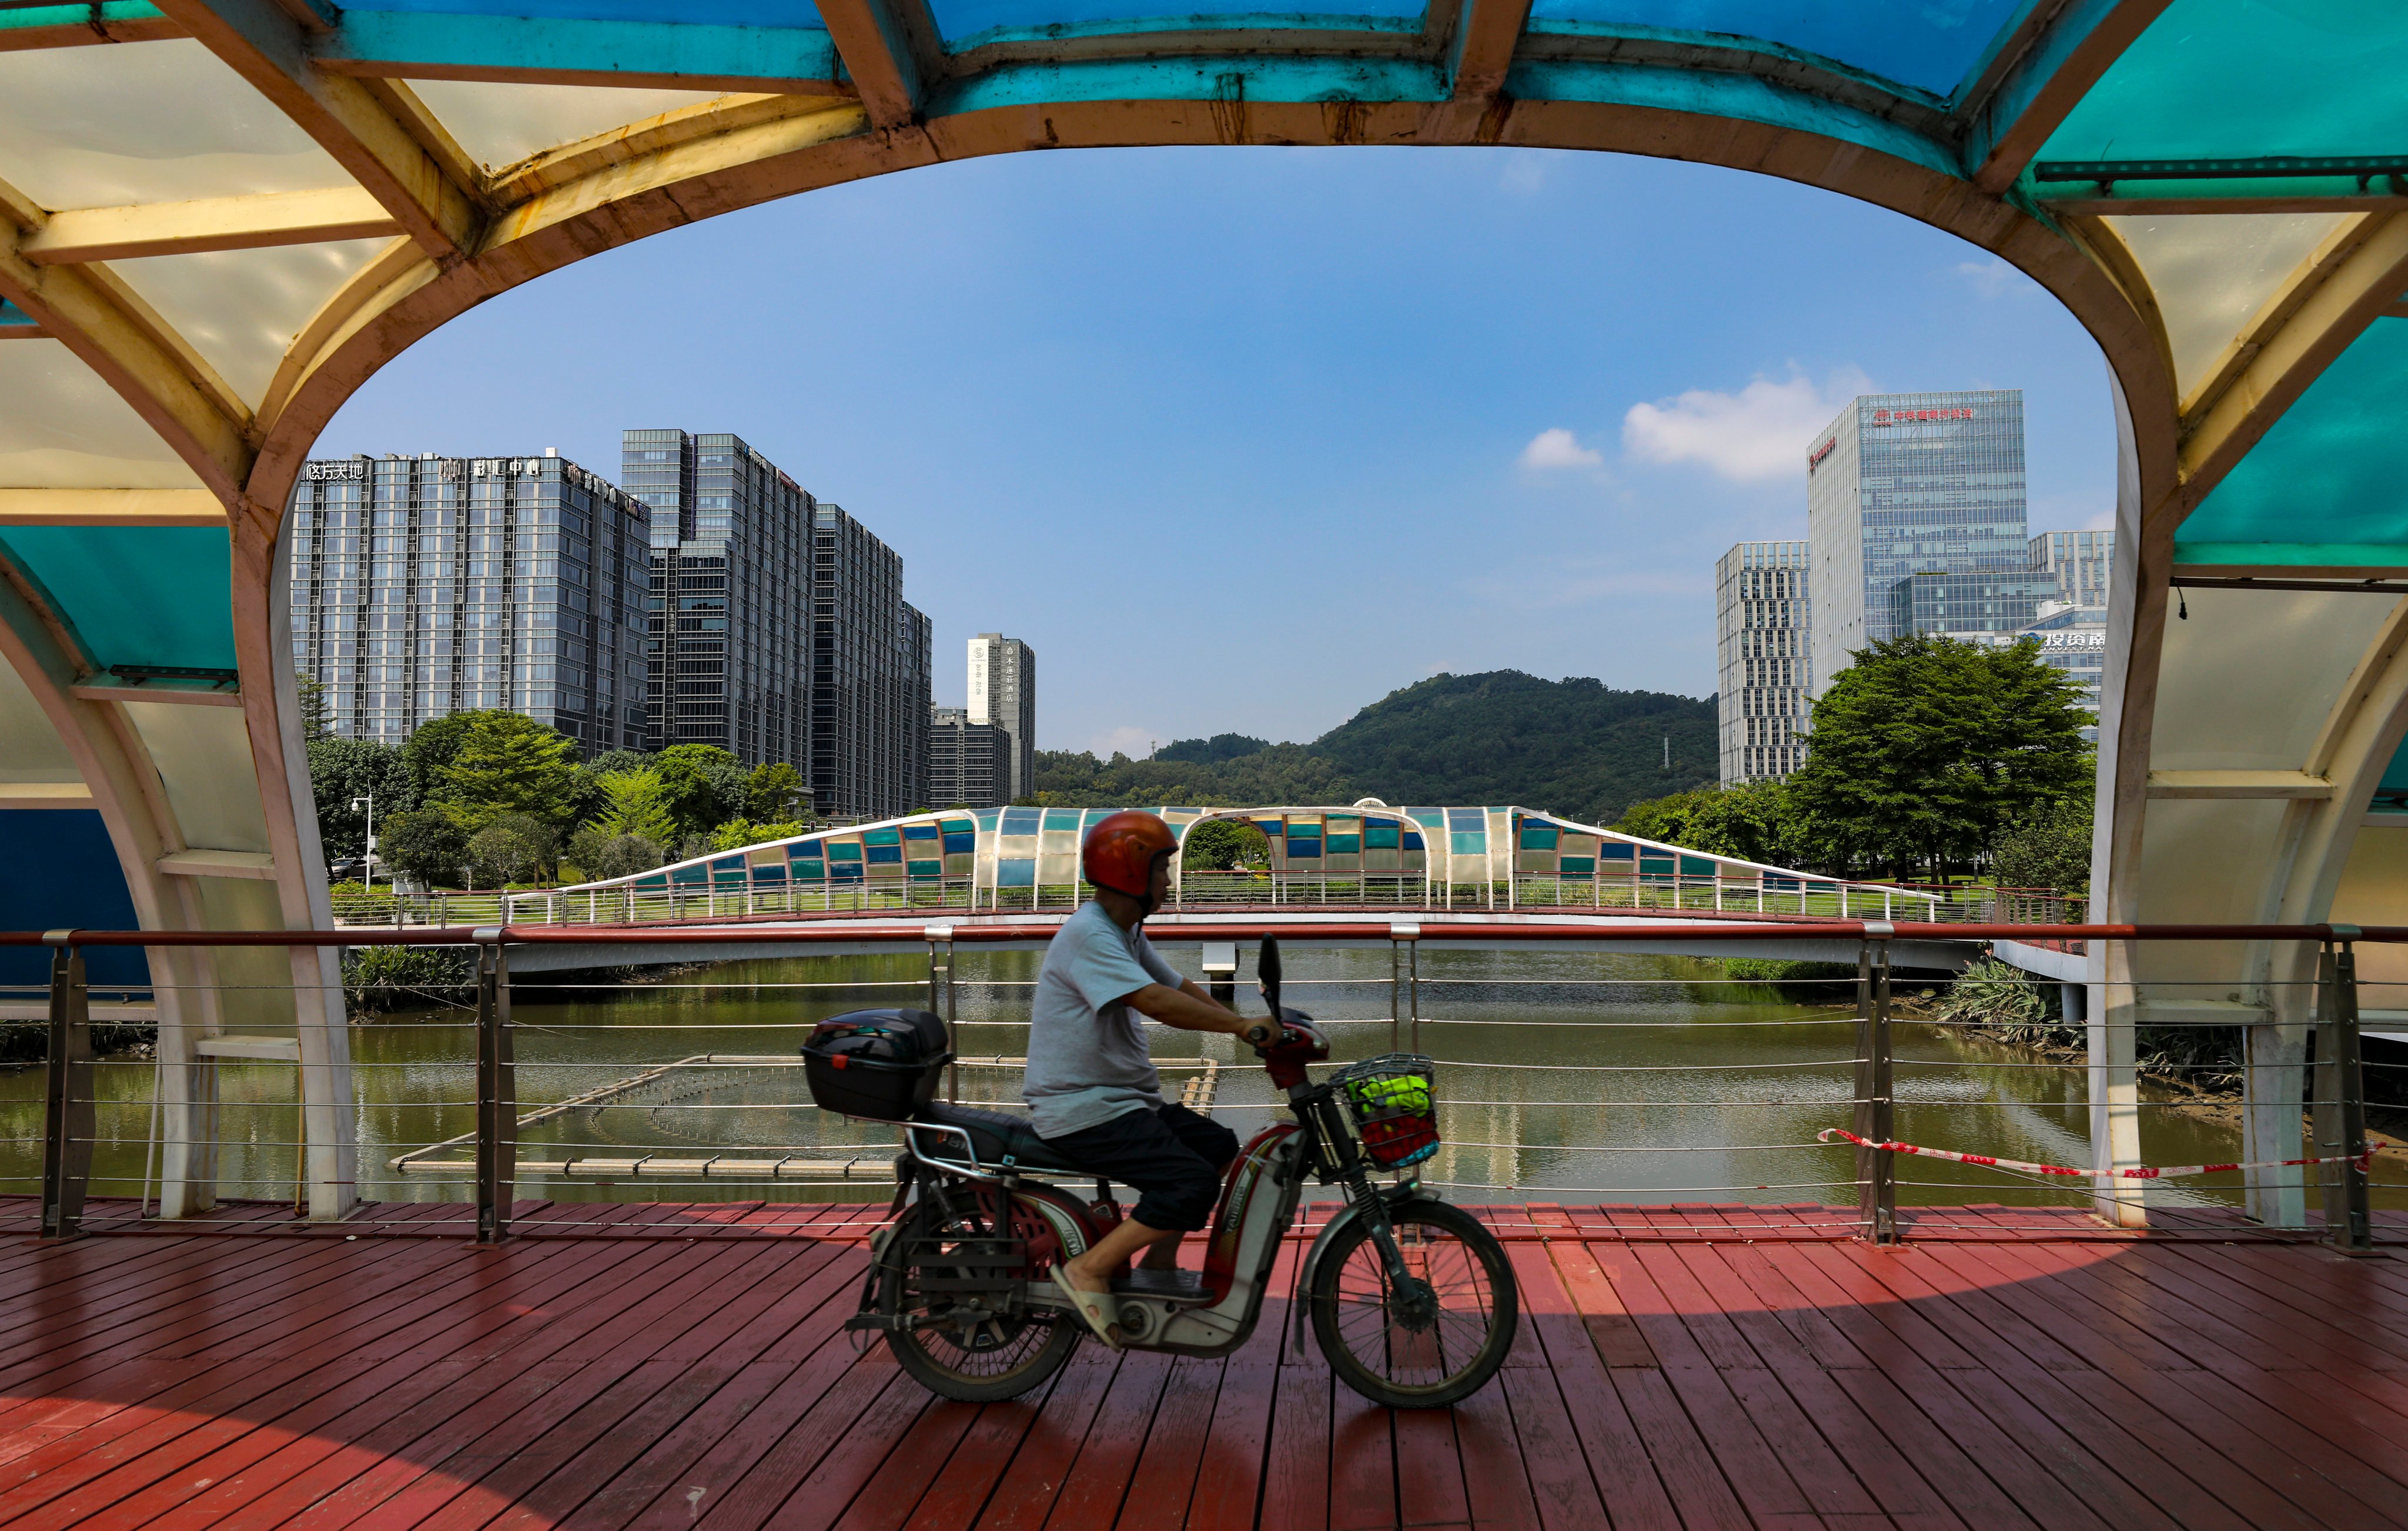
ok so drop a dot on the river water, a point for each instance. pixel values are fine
(1562, 1077)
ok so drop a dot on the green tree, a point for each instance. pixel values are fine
(427, 845)
(602, 856)
(633, 803)
(701, 785)
(2047, 846)
(1218, 845)
(1926, 746)
(343, 771)
(772, 793)
(736, 833)
(507, 764)
(1755, 821)
(317, 708)
(513, 848)
(428, 751)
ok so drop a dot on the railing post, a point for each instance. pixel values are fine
(2340, 1111)
(68, 1115)
(1404, 985)
(1876, 1168)
(940, 995)
(498, 1106)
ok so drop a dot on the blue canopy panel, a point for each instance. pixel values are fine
(2324, 487)
(80, 885)
(966, 25)
(2247, 79)
(1928, 47)
(140, 597)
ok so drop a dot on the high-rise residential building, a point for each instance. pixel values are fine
(1003, 692)
(1763, 628)
(969, 763)
(424, 586)
(868, 674)
(919, 641)
(1901, 484)
(2078, 560)
(731, 546)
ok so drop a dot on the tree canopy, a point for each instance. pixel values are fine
(506, 763)
(342, 771)
(701, 786)
(1927, 745)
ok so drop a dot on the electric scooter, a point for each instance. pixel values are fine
(1411, 1299)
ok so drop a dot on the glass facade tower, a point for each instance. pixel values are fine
(424, 586)
(2079, 562)
(1763, 625)
(1901, 484)
(730, 545)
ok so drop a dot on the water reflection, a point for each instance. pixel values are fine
(1566, 1078)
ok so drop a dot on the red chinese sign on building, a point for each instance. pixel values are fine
(1907, 417)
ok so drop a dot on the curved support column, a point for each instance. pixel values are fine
(2136, 611)
(108, 753)
(271, 706)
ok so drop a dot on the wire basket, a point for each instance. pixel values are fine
(1394, 1097)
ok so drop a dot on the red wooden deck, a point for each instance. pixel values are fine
(1680, 1370)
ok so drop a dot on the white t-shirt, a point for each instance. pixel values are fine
(1088, 1057)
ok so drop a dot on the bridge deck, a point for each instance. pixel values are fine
(683, 1367)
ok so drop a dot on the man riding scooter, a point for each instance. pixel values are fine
(1091, 1086)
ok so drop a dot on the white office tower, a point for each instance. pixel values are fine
(1003, 692)
(1763, 636)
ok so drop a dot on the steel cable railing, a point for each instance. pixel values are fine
(1872, 1091)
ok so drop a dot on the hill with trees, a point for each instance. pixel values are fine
(1575, 747)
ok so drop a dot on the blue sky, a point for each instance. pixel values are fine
(1248, 439)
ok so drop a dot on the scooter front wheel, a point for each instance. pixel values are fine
(1434, 1344)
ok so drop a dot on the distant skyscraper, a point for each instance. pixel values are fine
(1902, 483)
(424, 586)
(969, 763)
(1763, 623)
(919, 654)
(2078, 560)
(868, 676)
(730, 572)
(1003, 692)
(1969, 602)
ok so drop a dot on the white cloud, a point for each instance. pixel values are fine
(1525, 172)
(1557, 447)
(1127, 739)
(2102, 522)
(1762, 432)
(1991, 278)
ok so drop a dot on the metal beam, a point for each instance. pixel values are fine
(408, 45)
(2238, 784)
(1486, 34)
(882, 50)
(186, 228)
(260, 42)
(2011, 113)
(110, 508)
(2351, 296)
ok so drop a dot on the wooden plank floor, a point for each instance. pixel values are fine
(629, 1366)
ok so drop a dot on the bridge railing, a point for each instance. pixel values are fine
(701, 903)
(467, 1101)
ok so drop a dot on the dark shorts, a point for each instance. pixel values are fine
(1171, 1156)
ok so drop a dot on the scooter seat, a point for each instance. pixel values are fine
(1000, 1140)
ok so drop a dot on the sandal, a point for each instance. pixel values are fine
(1095, 1308)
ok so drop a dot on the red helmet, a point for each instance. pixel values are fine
(1120, 852)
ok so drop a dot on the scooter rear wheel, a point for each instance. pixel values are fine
(953, 1348)
(1402, 1350)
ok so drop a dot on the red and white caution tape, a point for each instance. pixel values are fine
(2145, 1173)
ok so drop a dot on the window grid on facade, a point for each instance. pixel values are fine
(424, 586)
(1763, 622)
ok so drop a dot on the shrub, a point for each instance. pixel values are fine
(602, 856)
(385, 978)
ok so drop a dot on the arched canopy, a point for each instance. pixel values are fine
(219, 218)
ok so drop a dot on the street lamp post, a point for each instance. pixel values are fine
(368, 873)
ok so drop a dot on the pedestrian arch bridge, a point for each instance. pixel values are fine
(219, 217)
(1366, 854)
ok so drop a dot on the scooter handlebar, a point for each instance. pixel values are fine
(1300, 1042)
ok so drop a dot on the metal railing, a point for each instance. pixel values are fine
(1872, 1094)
